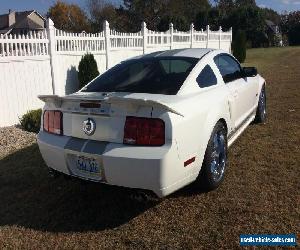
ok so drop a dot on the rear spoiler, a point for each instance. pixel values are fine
(57, 101)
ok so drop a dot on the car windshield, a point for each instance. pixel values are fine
(156, 75)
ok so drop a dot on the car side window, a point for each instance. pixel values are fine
(206, 78)
(229, 68)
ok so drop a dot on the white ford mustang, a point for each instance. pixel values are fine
(156, 122)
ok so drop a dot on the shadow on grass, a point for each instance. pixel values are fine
(29, 198)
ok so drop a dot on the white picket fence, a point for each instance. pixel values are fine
(46, 62)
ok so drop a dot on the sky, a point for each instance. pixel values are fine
(42, 5)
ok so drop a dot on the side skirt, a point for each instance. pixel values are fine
(234, 135)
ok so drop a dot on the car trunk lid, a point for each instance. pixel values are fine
(107, 111)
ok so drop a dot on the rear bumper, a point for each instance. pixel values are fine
(153, 168)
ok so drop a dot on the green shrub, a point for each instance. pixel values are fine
(88, 69)
(31, 121)
(239, 45)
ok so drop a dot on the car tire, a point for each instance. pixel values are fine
(215, 159)
(261, 112)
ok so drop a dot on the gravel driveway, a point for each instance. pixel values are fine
(13, 138)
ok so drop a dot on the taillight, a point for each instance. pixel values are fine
(53, 122)
(144, 131)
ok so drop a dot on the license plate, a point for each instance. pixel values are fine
(86, 164)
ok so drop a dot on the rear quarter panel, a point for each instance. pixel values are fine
(190, 133)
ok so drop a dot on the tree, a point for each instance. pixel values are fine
(149, 11)
(157, 13)
(239, 14)
(243, 3)
(179, 23)
(187, 9)
(87, 70)
(215, 18)
(225, 6)
(294, 35)
(201, 20)
(272, 15)
(101, 10)
(251, 20)
(127, 21)
(212, 17)
(290, 25)
(68, 17)
(239, 45)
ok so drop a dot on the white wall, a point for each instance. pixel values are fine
(20, 82)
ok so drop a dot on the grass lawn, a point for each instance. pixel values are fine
(260, 193)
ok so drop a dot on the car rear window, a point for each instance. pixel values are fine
(152, 75)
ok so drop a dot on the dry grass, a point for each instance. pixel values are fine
(260, 193)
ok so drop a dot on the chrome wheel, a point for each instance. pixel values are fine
(215, 159)
(261, 112)
(262, 103)
(218, 157)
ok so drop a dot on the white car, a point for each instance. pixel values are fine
(156, 122)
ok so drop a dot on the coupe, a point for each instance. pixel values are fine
(156, 122)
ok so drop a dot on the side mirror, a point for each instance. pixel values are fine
(249, 71)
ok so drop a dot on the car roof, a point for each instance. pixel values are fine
(194, 53)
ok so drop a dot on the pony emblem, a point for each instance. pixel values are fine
(89, 126)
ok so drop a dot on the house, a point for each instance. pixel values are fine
(273, 33)
(21, 22)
